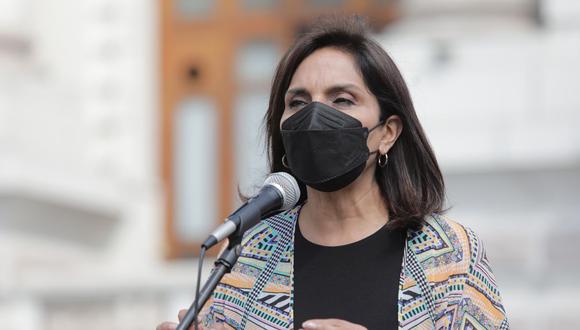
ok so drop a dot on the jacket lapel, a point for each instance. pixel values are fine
(282, 231)
(416, 304)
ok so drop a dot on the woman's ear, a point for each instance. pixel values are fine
(393, 128)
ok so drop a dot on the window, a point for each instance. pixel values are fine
(256, 61)
(251, 5)
(197, 9)
(194, 169)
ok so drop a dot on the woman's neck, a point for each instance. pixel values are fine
(344, 216)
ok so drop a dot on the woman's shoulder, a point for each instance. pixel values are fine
(443, 224)
(455, 262)
(442, 240)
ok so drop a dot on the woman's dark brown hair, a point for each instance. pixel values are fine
(411, 184)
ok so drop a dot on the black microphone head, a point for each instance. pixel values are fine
(287, 186)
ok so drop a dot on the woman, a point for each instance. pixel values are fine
(367, 245)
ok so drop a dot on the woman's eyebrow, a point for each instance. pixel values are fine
(341, 88)
(301, 91)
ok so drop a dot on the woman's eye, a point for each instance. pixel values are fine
(296, 103)
(343, 101)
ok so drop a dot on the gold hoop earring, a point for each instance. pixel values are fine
(382, 160)
(284, 162)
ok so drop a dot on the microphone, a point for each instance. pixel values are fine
(279, 192)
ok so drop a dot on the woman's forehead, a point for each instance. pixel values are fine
(324, 68)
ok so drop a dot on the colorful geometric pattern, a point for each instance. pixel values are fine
(446, 281)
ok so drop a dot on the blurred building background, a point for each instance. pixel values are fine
(126, 127)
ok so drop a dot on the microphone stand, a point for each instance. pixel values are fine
(223, 265)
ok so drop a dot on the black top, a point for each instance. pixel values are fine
(356, 282)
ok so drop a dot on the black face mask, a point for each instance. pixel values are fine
(326, 149)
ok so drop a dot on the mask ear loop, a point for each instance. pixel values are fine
(381, 122)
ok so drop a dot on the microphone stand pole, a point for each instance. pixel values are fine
(223, 265)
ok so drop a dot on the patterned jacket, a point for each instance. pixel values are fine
(446, 281)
